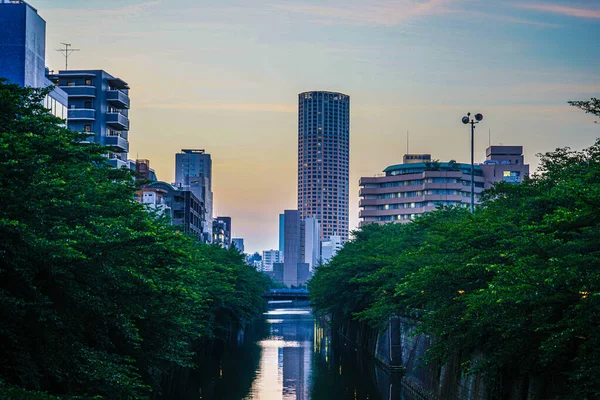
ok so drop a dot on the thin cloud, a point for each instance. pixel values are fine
(132, 9)
(563, 10)
(559, 88)
(285, 108)
(385, 13)
(506, 18)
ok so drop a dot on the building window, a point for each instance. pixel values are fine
(70, 84)
(87, 104)
(88, 82)
(87, 128)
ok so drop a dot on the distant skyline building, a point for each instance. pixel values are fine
(193, 169)
(323, 160)
(301, 247)
(270, 257)
(330, 247)
(254, 260)
(281, 232)
(23, 52)
(143, 170)
(222, 231)
(311, 243)
(416, 186)
(238, 243)
(291, 247)
(98, 105)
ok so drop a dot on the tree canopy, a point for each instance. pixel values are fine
(98, 296)
(518, 281)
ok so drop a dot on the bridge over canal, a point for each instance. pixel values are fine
(286, 295)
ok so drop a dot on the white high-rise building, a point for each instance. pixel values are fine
(269, 257)
(311, 246)
(330, 247)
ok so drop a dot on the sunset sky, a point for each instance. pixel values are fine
(224, 76)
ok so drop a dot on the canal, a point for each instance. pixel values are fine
(286, 354)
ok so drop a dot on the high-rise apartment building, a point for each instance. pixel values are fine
(98, 105)
(193, 169)
(323, 160)
(23, 52)
(415, 187)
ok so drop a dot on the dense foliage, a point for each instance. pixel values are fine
(518, 281)
(98, 296)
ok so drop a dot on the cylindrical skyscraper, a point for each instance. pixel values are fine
(323, 160)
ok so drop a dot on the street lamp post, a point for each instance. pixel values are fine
(468, 120)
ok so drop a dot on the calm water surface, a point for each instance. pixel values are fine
(286, 355)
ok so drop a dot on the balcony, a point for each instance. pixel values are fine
(117, 163)
(117, 98)
(81, 114)
(120, 143)
(90, 138)
(80, 91)
(117, 121)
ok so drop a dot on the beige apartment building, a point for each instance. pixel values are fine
(420, 185)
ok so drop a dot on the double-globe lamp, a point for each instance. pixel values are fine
(468, 120)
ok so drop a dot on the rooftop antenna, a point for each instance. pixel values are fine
(67, 51)
(407, 152)
(490, 137)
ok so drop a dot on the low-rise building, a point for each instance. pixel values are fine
(184, 208)
(412, 188)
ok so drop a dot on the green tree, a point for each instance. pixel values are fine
(516, 283)
(98, 296)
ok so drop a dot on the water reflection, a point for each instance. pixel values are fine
(286, 355)
(285, 366)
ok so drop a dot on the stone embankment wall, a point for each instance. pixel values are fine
(400, 351)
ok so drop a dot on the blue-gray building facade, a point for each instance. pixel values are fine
(23, 52)
(323, 160)
(193, 170)
(281, 232)
(99, 105)
(185, 209)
